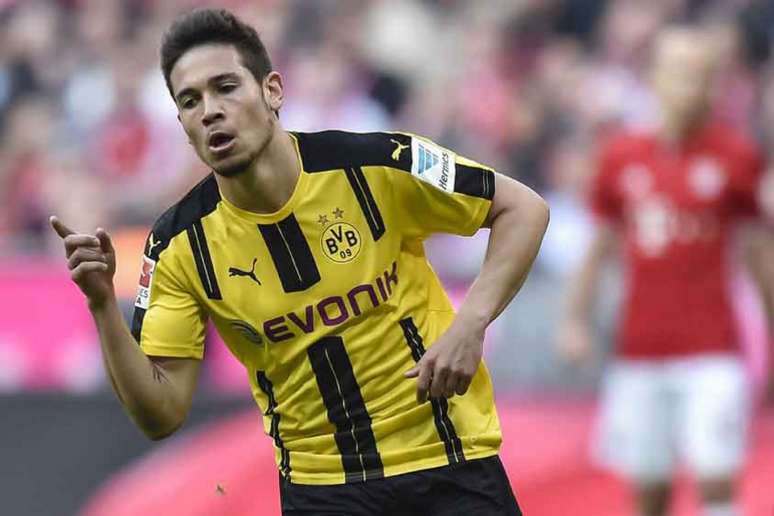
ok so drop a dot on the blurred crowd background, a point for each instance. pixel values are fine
(88, 132)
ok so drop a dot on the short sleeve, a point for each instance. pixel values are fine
(441, 193)
(168, 319)
(603, 198)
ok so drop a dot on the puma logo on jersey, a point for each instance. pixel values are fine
(398, 149)
(152, 244)
(233, 271)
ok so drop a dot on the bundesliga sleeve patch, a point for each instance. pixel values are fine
(433, 164)
(144, 288)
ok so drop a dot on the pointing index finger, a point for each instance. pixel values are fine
(59, 227)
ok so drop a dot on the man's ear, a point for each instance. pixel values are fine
(273, 91)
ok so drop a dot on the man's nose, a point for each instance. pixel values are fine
(213, 111)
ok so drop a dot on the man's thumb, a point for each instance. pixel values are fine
(104, 241)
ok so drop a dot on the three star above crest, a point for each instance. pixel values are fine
(322, 220)
(338, 213)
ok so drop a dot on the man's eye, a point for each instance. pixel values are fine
(227, 87)
(188, 103)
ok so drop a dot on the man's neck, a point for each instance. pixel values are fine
(677, 129)
(269, 182)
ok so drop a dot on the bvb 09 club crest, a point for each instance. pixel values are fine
(340, 240)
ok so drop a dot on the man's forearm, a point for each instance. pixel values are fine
(759, 251)
(582, 287)
(140, 384)
(514, 241)
(582, 290)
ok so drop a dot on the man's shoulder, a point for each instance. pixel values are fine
(200, 201)
(336, 150)
(734, 142)
(628, 142)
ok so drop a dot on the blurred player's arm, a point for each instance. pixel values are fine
(758, 248)
(758, 243)
(574, 338)
(156, 392)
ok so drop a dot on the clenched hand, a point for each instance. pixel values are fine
(450, 363)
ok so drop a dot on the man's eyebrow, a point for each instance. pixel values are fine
(223, 76)
(220, 77)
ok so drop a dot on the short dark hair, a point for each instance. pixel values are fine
(202, 26)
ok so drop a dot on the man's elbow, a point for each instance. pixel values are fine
(160, 432)
(159, 426)
(158, 436)
(543, 211)
(517, 203)
(536, 208)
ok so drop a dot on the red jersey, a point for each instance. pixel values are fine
(675, 205)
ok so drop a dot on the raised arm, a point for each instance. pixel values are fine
(518, 219)
(156, 392)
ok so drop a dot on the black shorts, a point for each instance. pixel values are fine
(474, 488)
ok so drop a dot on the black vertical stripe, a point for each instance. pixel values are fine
(266, 386)
(290, 253)
(199, 202)
(443, 423)
(201, 253)
(474, 181)
(139, 315)
(346, 410)
(366, 201)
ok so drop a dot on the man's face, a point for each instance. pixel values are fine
(683, 74)
(227, 114)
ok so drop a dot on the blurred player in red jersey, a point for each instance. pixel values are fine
(677, 387)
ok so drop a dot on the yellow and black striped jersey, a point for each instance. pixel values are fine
(328, 301)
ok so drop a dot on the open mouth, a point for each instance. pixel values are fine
(219, 142)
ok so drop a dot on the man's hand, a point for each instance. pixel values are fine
(574, 343)
(450, 363)
(91, 260)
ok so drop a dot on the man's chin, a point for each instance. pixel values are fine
(231, 169)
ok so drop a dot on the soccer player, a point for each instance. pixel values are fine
(306, 251)
(673, 195)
